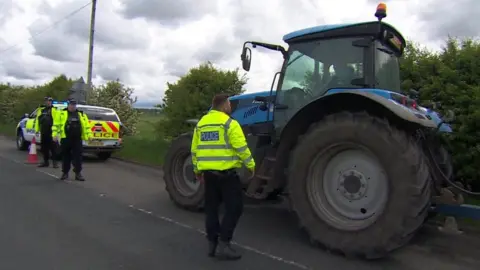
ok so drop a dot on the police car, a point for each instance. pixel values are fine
(104, 124)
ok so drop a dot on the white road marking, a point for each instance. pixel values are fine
(246, 247)
(186, 226)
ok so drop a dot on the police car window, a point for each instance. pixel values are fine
(100, 114)
(33, 114)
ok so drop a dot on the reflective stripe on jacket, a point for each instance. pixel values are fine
(39, 113)
(219, 144)
(58, 129)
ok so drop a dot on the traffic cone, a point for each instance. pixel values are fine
(32, 153)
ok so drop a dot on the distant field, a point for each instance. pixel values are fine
(146, 126)
(145, 147)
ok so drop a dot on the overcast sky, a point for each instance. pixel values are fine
(147, 43)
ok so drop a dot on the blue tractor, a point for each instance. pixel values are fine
(357, 158)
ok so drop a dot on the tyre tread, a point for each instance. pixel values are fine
(197, 206)
(418, 189)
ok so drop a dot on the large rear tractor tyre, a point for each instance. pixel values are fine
(358, 185)
(444, 161)
(184, 190)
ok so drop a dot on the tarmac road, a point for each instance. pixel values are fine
(121, 218)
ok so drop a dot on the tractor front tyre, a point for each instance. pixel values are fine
(358, 185)
(180, 183)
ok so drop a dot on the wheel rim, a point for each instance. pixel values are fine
(350, 190)
(183, 176)
(19, 140)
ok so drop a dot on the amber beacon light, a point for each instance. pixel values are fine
(381, 11)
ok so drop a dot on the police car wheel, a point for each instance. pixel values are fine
(104, 155)
(178, 175)
(22, 144)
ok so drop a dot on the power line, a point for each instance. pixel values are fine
(53, 25)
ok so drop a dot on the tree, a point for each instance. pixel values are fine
(15, 101)
(117, 96)
(191, 96)
(18, 100)
(451, 78)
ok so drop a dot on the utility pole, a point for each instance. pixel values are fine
(90, 48)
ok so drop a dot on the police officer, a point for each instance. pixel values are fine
(43, 125)
(72, 128)
(218, 148)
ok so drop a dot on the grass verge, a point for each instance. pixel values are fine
(141, 150)
(145, 147)
(7, 129)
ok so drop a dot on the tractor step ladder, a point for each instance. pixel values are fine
(259, 186)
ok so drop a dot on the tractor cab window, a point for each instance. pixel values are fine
(387, 71)
(314, 67)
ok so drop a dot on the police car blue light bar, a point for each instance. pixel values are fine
(60, 102)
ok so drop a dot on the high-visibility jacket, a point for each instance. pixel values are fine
(219, 144)
(58, 129)
(39, 114)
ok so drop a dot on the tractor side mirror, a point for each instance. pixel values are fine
(246, 58)
(449, 116)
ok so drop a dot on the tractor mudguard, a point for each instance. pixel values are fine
(398, 109)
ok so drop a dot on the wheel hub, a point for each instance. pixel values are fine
(348, 187)
(188, 175)
(352, 185)
(184, 178)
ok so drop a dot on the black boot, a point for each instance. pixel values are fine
(226, 252)
(79, 177)
(44, 164)
(212, 248)
(64, 176)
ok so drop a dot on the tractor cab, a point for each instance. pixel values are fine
(341, 57)
(327, 59)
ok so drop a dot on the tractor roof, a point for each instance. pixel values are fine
(339, 30)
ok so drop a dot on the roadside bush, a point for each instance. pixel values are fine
(451, 78)
(191, 96)
(117, 96)
(15, 101)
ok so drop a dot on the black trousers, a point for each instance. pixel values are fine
(222, 187)
(48, 147)
(71, 154)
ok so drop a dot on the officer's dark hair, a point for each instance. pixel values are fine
(219, 100)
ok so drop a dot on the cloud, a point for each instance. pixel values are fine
(146, 44)
(445, 18)
(167, 12)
